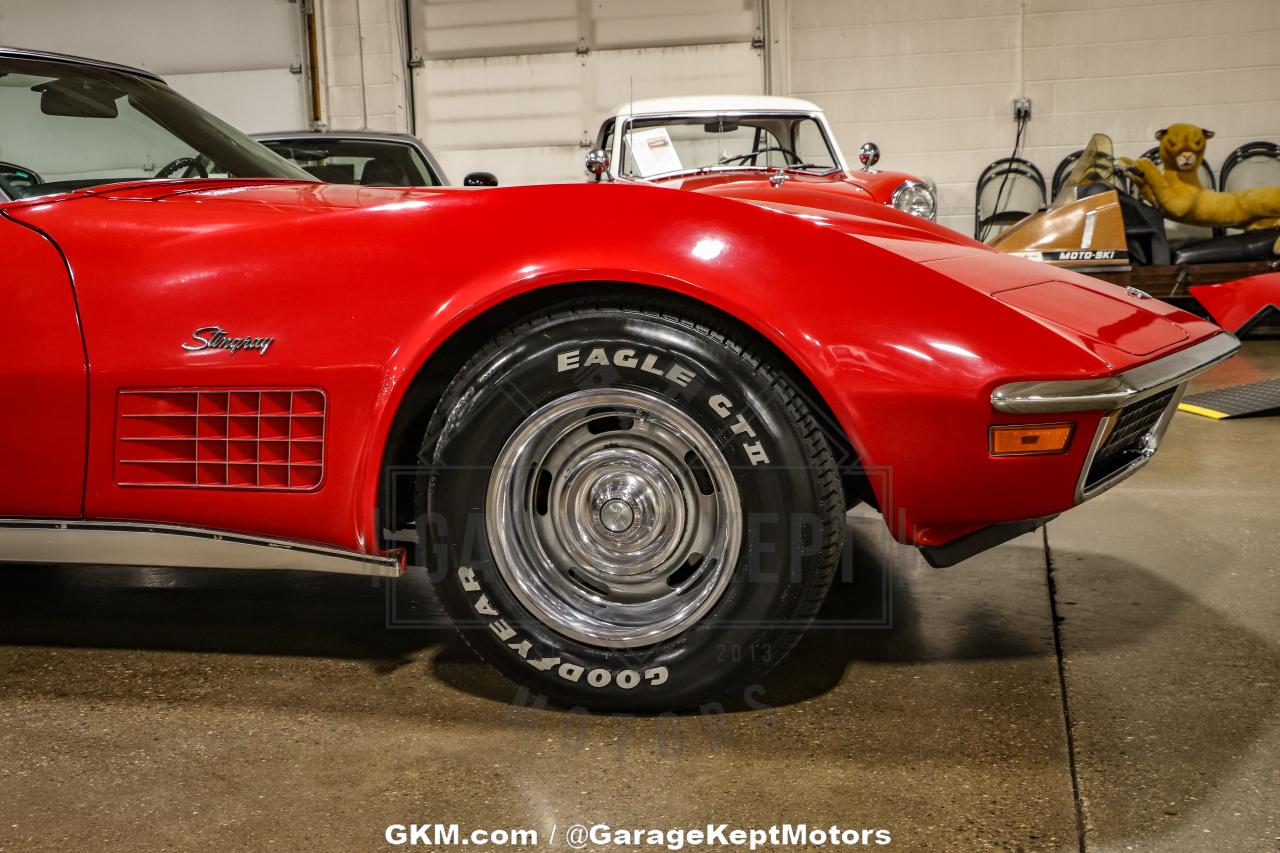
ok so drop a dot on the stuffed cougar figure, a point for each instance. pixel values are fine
(1178, 192)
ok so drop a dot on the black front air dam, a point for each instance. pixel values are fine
(959, 550)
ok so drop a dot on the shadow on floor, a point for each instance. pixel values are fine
(886, 618)
(885, 607)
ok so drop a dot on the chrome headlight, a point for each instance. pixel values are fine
(916, 198)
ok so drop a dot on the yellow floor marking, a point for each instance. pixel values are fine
(1200, 410)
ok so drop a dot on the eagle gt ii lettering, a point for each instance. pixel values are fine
(649, 363)
(215, 337)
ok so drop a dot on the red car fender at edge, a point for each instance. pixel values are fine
(44, 378)
(1238, 305)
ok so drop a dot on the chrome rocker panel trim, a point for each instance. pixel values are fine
(1114, 392)
(123, 543)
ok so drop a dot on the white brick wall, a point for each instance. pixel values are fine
(364, 65)
(932, 81)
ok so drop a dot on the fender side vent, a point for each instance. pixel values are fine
(221, 438)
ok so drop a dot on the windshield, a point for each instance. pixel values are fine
(667, 145)
(370, 162)
(1097, 165)
(66, 126)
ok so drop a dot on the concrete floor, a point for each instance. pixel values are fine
(164, 710)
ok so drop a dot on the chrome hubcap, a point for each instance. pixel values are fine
(617, 515)
(614, 518)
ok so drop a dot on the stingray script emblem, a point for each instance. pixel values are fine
(216, 337)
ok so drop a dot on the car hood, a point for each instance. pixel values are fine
(872, 222)
(840, 201)
(1119, 327)
(736, 183)
(868, 185)
(1116, 323)
(1116, 326)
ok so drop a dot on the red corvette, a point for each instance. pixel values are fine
(620, 425)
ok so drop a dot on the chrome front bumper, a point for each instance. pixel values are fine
(1114, 392)
(1115, 395)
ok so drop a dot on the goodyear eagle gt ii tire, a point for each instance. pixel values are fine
(627, 508)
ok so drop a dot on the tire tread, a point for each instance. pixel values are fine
(829, 491)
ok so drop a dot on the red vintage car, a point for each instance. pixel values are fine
(620, 426)
(749, 147)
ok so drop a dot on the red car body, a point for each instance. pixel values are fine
(903, 329)
(825, 192)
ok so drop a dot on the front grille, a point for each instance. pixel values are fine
(1127, 441)
(221, 438)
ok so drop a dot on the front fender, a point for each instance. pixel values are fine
(904, 355)
(359, 287)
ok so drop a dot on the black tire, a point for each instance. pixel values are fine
(788, 490)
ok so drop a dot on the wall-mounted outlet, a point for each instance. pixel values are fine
(1021, 109)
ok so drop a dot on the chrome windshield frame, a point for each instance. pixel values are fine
(50, 56)
(623, 126)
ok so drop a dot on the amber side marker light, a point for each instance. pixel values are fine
(1030, 439)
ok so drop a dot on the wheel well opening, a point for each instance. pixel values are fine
(400, 462)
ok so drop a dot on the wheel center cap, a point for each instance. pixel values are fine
(617, 516)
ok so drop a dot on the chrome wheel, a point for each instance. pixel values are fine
(614, 518)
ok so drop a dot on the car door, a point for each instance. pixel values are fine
(43, 380)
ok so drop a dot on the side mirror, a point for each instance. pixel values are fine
(868, 155)
(480, 179)
(598, 164)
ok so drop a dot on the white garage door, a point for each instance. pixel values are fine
(518, 87)
(233, 57)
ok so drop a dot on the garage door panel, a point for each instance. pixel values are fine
(438, 14)
(498, 133)
(527, 74)
(516, 166)
(500, 102)
(213, 52)
(529, 115)
(693, 29)
(534, 36)
(616, 23)
(715, 69)
(544, 102)
(494, 27)
(253, 34)
(278, 103)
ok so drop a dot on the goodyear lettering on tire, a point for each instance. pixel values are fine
(573, 673)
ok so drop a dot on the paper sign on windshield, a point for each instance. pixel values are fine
(653, 152)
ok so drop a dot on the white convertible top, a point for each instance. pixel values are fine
(715, 104)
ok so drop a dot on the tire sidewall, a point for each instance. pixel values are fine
(723, 392)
